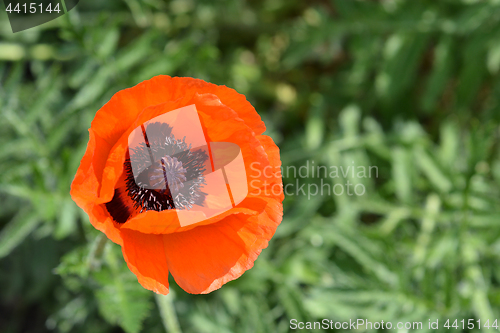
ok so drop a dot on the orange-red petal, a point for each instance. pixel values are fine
(203, 259)
(146, 258)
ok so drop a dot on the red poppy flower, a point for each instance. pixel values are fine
(178, 173)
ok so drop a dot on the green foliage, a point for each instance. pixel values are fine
(121, 299)
(408, 87)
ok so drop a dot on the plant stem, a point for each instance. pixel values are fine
(167, 312)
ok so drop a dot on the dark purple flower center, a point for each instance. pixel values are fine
(174, 181)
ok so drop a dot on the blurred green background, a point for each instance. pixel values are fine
(411, 87)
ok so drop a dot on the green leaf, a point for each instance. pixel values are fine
(450, 141)
(429, 167)
(402, 174)
(17, 230)
(440, 75)
(66, 222)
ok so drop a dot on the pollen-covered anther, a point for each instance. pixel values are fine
(173, 173)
